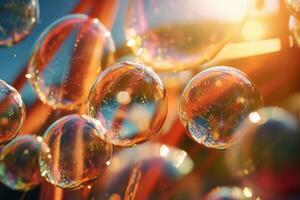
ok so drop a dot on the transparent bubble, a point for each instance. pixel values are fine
(174, 35)
(266, 155)
(17, 19)
(12, 113)
(294, 7)
(161, 167)
(19, 163)
(67, 58)
(230, 193)
(215, 102)
(294, 27)
(73, 155)
(130, 102)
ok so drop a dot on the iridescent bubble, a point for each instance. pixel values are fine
(130, 102)
(12, 113)
(215, 102)
(155, 165)
(294, 7)
(67, 58)
(230, 193)
(173, 35)
(266, 155)
(294, 27)
(73, 155)
(17, 19)
(19, 163)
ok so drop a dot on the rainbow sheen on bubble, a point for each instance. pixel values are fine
(294, 7)
(73, 155)
(230, 193)
(173, 35)
(19, 163)
(17, 19)
(150, 163)
(130, 102)
(214, 103)
(68, 49)
(266, 156)
(12, 113)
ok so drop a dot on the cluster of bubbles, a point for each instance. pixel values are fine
(127, 105)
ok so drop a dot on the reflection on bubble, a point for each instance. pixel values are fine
(130, 102)
(12, 113)
(294, 27)
(294, 7)
(19, 166)
(230, 193)
(68, 49)
(267, 153)
(17, 19)
(215, 102)
(160, 165)
(172, 35)
(73, 155)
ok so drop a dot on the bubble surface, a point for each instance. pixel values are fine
(19, 163)
(12, 113)
(130, 102)
(294, 27)
(266, 156)
(215, 102)
(17, 19)
(294, 7)
(171, 35)
(230, 193)
(67, 58)
(72, 154)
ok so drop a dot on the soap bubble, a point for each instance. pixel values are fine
(17, 19)
(130, 102)
(12, 112)
(19, 163)
(230, 193)
(294, 7)
(73, 155)
(215, 102)
(294, 26)
(175, 35)
(266, 155)
(67, 58)
(160, 166)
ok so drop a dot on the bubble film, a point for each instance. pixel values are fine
(17, 19)
(159, 165)
(73, 155)
(68, 49)
(12, 113)
(215, 102)
(173, 35)
(230, 193)
(294, 7)
(19, 163)
(130, 102)
(266, 155)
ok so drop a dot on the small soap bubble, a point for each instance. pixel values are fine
(171, 35)
(266, 155)
(67, 58)
(73, 155)
(215, 102)
(17, 19)
(130, 102)
(19, 163)
(12, 113)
